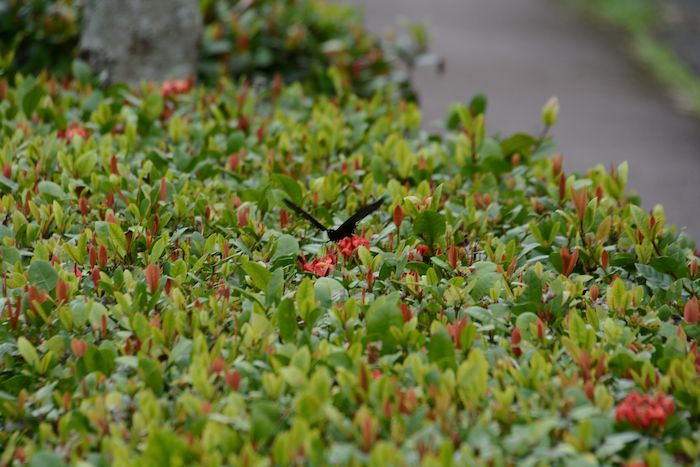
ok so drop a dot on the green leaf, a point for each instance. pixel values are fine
(150, 371)
(381, 316)
(81, 71)
(669, 265)
(441, 349)
(31, 99)
(473, 377)
(118, 238)
(655, 279)
(28, 352)
(287, 246)
(329, 290)
(306, 298)
(258, 273)
(287, 320)
(85, 164)
(266, 420)
(157, 250)
(42, 275)
(580, 332)
(46, 458)
(51, 191)
(430, 225)
(100, 360)
(289, 185)
(152, 106)
(274, 286)
(524, 321)
(478, 104)
(484, 278)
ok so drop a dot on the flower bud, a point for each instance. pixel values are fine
(515, 338)
(113, 165)
(233, 379)
(398, 216)
(92, 256)
(540, 329)
(557, 163)
(452, 256)
(218, 364)
(83, 206)
(163, 190)
(550, 111)
(102, 256)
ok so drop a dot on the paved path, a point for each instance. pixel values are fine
(521, 52)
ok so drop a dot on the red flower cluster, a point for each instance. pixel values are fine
(175, 87)
(72, 131)
(320, 266)
(645, 411)
(421, 250)
(349, 245)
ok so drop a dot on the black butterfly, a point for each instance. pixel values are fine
(347, 228)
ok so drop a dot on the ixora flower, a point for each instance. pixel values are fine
(421, 250)
(349, 245)
(645, 411)
(319, 266)
(175, 87)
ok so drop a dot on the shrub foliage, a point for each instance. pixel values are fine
(160, 305)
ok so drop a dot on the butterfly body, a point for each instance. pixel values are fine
(347, 228)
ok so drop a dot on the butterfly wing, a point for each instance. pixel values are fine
(304, 214)
(348, 227)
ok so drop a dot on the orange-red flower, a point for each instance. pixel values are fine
(421, 250)
(175, 87)
(319, 266)
(72, 131)
(349, 245)
(645, 411)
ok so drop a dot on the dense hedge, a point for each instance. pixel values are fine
(261, 39)
(159, 304)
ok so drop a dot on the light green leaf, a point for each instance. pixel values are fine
(306, 298)
(28, 352)
(258, 273)
(441, 349)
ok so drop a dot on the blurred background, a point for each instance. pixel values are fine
(618, 68)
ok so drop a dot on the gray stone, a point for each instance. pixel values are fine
(136, 40)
